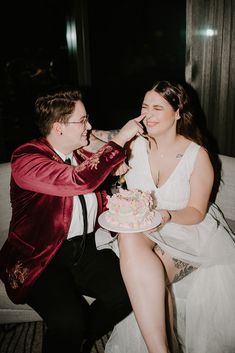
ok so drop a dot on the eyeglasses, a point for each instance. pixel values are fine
(84, 120)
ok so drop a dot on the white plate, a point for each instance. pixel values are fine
(114, 228)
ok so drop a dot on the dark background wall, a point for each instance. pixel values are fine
(131, 48)
(121, 49)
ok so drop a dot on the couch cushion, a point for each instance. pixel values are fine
(10, 312)
(3, 236)
(225, 198)
(231, 224)
(5, 207)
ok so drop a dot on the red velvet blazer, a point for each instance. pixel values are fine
(42, 190)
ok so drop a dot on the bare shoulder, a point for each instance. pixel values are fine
(203, 155)
(203, 163)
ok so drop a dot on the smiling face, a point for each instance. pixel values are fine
(160, 116)
(75, 131)
(71, 134)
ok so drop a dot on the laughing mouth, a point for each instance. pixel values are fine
(152, 124)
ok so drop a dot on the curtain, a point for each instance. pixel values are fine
(210, 65)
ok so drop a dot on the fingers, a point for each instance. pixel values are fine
(140, 130)
(140, 118)
(129, 130)
(140, 126)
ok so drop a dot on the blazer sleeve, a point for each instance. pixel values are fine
(34, 170)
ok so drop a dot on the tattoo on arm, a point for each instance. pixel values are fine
(105, 135)
(98, 138)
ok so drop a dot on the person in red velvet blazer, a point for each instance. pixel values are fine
(47, 260)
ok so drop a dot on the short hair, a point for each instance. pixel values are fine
(56, 107)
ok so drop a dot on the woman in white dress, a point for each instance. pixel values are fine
(193, 238)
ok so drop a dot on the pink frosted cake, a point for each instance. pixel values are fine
(130, 209)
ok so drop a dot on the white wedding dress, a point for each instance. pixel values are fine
(205, 299)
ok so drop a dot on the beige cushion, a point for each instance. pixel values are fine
(9, 312)
(5, 207)
(231, 223)
(225, 198)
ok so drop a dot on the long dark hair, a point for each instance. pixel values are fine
(177, 97)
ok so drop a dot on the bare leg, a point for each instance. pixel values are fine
(144, 277)
(175, 271)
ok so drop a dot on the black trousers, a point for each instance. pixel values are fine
(58, 296)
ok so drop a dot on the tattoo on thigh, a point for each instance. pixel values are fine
(183, 268)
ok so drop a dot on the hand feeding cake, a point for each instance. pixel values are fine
(130, 209)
